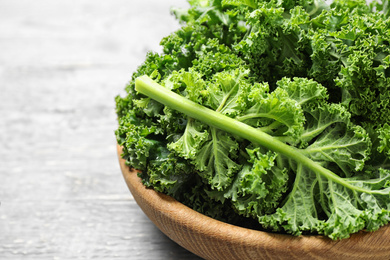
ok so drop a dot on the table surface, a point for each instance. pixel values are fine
(61, 190)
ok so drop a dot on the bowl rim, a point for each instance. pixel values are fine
(166, 212)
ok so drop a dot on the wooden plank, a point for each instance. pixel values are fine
(110, 228)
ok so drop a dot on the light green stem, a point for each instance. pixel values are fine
(152, 89)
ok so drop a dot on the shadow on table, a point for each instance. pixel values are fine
(170, 249)
(148, 242)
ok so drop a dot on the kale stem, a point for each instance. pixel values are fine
(152, 89)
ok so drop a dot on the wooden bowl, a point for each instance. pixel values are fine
(212, 239)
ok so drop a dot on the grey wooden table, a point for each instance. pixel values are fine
(61, 191)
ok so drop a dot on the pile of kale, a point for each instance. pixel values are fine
(310, 75)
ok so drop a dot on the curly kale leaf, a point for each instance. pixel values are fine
(275, 46)
(215, 153)
(320, 199)
(348, 148)
(215, 160)
(211, 151)
(317, 204)
(258, 187)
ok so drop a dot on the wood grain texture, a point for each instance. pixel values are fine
(215, 240)
(62, 193)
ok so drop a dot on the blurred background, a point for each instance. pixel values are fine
(61, 65)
